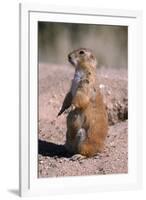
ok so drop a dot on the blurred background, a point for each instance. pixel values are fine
(109, 43)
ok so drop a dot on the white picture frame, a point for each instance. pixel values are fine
(30, 184)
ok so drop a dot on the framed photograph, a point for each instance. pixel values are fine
(80, 100)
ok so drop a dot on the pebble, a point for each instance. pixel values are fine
(108, 92)
(112, 144)
(101, 86)
(100, 169)
(41, 161)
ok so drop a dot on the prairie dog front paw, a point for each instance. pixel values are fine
(72, 107)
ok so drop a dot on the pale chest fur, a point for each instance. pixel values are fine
(87, 79)
(76, 80)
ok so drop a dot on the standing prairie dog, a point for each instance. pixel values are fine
(87, 122)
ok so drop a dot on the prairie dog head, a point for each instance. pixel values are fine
(82, 58)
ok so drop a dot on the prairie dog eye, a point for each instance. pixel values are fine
(81, 52)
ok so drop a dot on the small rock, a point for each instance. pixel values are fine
(60, 160)
(101, 86)
(112, 144)
(108, 92)
(100, 169)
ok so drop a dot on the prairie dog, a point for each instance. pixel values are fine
(87, 122)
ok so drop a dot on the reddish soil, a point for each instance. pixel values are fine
(53, 160)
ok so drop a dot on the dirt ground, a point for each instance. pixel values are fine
(53, 160)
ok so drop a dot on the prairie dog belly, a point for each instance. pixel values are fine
(76, 80)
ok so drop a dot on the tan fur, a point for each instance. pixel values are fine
(87, 124)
